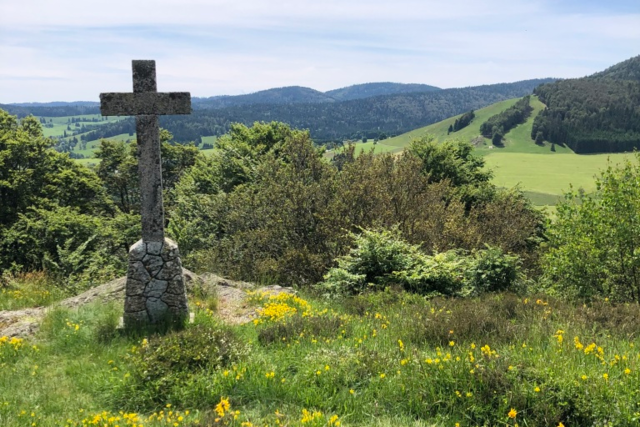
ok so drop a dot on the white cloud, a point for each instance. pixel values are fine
(70, 50)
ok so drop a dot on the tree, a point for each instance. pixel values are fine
(118, 168)
(43, 196)
(496, 139)
(539, 138)
(450, 129)
(452, 160)
(32, 173)
(593, 244)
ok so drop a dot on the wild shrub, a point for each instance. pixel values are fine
(593, 245)
(502, 317)
(287, 215)
(381, 258)
(164, 362)
(315, 326)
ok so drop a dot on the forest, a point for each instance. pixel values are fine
(595, 114)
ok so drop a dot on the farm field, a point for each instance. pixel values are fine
(60, 124)
(549, 174)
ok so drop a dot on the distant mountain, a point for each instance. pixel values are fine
(46, 110)
(328, 119)
(595, 114)
(337, 121)
(57, 104)
(275, 96)
(283, 95)
(305, 95)
(368, 90)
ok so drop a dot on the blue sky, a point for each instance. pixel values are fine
(68, 50)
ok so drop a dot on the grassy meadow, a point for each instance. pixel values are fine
(60, 124)
(385, 359)
(544, 175)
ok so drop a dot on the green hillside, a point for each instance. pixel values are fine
(543, 174)
(439, 130)
(594, 114)
(517, 141)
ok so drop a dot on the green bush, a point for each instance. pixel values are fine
(165, 362)
(381, 259)
(493, 271)
(281, 213)
(594, 243)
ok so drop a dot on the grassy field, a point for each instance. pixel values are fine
(549, 175)
(385, 359)
(60, 124)
(209, 139)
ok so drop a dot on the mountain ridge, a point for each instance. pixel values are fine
(337, 121)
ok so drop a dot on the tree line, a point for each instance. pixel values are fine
(338, 121)
(498, 125)
(327, 122)
(462, 122)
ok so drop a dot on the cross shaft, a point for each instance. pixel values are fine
(146, 104)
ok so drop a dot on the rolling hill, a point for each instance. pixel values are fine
(354, 119)
(595, 114)
(543, 174)
(367, 90)
(283, 95)
(328, 120)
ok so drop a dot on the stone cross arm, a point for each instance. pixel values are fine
(144, 103)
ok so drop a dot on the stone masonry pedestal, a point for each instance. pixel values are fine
(155, 285)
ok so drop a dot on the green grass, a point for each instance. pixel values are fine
(360, 147)
(209, 139)
(60, 123)
(549, 174)
(439, 130)
(28, 290)
(386, 359)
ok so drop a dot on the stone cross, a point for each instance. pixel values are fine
(155, 283)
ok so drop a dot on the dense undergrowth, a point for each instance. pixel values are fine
(386, 358)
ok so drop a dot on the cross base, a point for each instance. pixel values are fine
(155, 291)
